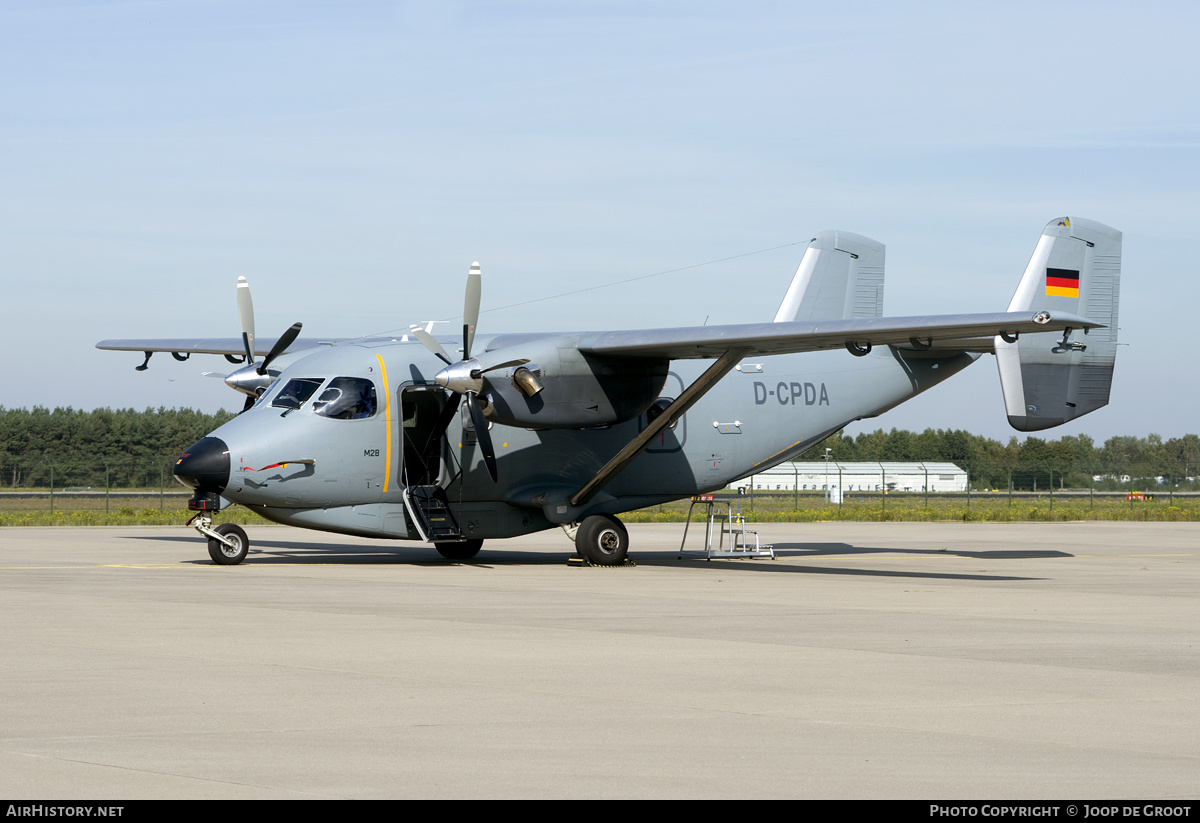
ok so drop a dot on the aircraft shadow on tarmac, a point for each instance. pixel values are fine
(818, 549)
(796, 550)
(288, 552)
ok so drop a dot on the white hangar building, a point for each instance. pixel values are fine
(858, 477)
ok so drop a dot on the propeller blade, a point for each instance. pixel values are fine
(246, 316)
(482, 435)
(509, 364)
(249, 402)
(471, 308)
(280, 346)
(434, 346)
(471, 301)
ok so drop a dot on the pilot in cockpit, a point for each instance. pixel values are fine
(346, 398)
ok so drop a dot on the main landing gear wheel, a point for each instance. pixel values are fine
(224, 555)
(602, 540)
(461, 550)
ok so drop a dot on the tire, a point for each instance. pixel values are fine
(461, 550)
(602, 540)
(223, 555)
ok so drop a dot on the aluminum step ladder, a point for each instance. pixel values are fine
(721, 524)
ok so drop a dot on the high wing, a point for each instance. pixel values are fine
(705, 342)
(210, 345)
(728, 345)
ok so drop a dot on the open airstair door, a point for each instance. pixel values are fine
(422, 446)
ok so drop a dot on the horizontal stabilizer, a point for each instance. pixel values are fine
(1047, 381)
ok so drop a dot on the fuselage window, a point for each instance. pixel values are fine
(295, 392)
(347, 398)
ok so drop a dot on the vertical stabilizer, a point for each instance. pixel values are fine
(840, 277)
(1046, 380)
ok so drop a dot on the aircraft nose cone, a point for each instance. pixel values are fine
(204, 466)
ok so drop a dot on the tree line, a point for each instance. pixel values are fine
(126, 447)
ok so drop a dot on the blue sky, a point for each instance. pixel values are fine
(352, 159)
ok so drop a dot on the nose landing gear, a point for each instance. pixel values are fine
(227, 543)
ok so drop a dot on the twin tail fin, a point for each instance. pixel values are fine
(840, 277)
(1048, 381)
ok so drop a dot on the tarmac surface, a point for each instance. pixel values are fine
(871, 660)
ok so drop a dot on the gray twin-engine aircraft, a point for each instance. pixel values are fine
(399, 438)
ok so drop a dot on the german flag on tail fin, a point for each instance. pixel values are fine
(1062, 282)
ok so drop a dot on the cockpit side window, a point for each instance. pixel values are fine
(295, 392)
(347, 398)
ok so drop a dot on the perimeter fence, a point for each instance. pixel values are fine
(106, 484)
(1011, 490)
(998, 491)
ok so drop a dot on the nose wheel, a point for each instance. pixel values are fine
(233, 549)
(227, 543)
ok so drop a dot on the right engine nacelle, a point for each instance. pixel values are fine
(579, 391)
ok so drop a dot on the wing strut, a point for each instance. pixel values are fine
(673, 412)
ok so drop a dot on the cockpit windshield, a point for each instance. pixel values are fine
(347, 398)
(296, 391)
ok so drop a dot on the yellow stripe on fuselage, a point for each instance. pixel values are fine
(387, 404)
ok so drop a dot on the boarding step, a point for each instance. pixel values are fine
(430, 513)
(727, 526)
